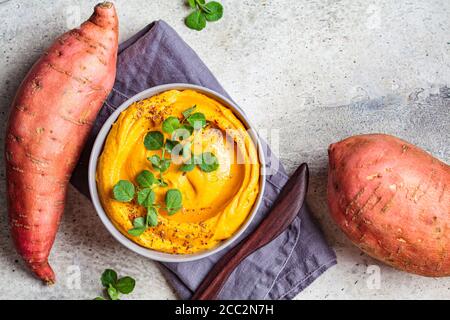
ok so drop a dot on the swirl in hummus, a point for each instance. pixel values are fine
(215, 204)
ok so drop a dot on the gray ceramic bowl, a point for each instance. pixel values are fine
(98, 147)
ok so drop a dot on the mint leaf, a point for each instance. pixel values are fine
(196, 20)
(170, 145)
(109, 276)
(187, 167)
(189, 129)
(197, 120)
(124, 191)
(164, 165)
(113, 293)
(152, 217)
(146, 197)
(155, 160)
(136, 232)
(186, 113)
(209, 162)
(139, 222)
(146, 179)
(154, 140)
(125, 285)
(214, 11)
(115, 286)
(183, 133)
(159, 164)
(192, 4)
(139, 227)
(170, 124)
(173, 201)
(203, 12)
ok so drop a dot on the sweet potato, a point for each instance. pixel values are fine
(51, 117)
(392, 200)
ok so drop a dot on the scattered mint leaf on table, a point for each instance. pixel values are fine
(196, 20)
(109, 276)
(192, 4)
(215, 11)
(125, 285)
(114, 286)
(113, 293)
(203, 12)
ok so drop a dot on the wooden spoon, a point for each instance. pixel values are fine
(283, 212)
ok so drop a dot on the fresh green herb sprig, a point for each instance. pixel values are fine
(125, 191)
(191, 121)
(115, 286)
(146, 198)
(203, 12)
(207, 162)
(141, 224)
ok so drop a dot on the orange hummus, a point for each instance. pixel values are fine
(215, 204)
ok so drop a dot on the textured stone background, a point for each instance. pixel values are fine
(316, 70)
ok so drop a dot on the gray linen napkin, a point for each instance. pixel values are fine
(280, 270)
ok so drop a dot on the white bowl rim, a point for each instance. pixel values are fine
(98, 148)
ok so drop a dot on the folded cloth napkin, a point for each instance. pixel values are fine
(280, 270)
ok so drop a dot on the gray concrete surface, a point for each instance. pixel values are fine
(316, 70)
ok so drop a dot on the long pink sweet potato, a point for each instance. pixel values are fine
(392, 199)
(51, 117)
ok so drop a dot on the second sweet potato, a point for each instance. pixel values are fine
(392, 200)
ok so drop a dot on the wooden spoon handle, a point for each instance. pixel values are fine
(284, 211)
